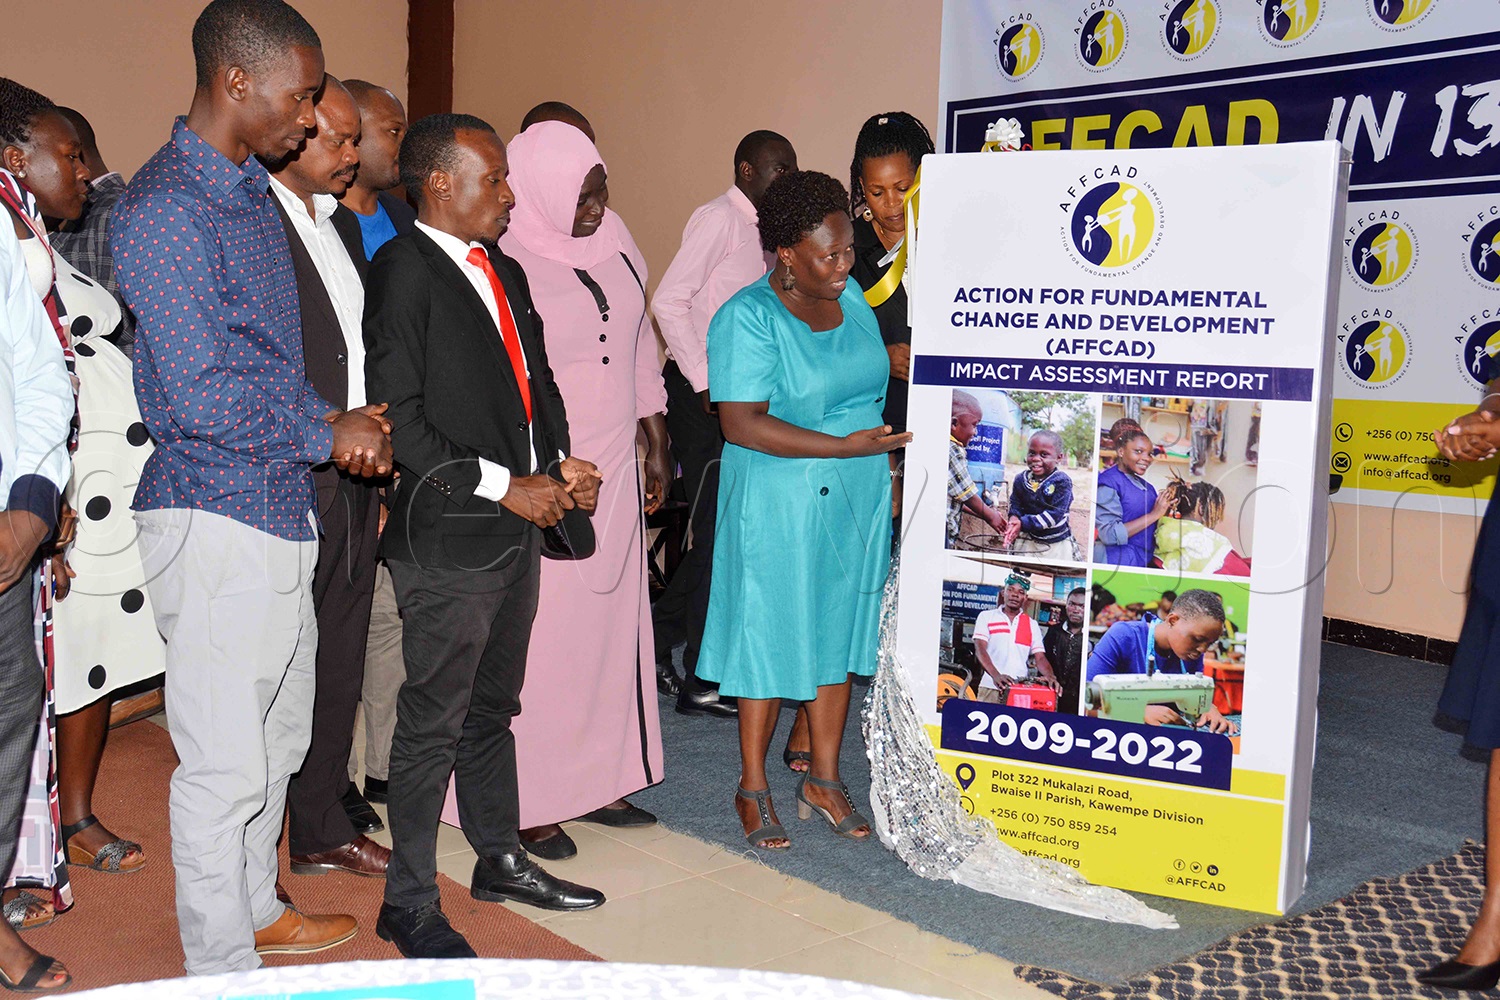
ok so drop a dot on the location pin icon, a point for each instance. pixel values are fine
(965, 775)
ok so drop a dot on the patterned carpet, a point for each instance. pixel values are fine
(1370, 943)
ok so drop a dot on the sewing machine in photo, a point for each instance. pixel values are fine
(1124, 697)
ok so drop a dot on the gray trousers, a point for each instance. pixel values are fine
(236, 608)
(20, 711)
(385, 672)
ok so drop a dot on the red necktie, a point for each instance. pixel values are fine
(508, 333)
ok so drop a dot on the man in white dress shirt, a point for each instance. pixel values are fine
(329, 818)
(720, 254)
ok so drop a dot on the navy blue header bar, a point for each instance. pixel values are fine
(1129, 378)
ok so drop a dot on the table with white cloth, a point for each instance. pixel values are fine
(496, 978)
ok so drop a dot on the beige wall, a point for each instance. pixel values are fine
(671, 85)
(128, 64)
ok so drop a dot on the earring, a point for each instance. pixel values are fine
(867, 215)
(788, 282)
(21, 174)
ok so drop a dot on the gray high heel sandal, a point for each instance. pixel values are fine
(844, 828)
(767, 830)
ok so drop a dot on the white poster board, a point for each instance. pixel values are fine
(1062, 292)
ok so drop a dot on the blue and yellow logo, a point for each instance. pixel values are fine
(1376, 352)
(1018, 49)
(1113, 225)
(1382, 255)
(1484, 253)
(1102, 39)
(1190, 26)
(1400, 13)
(1288, 21)
(1481, 353)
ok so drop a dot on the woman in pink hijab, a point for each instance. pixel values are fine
(588, 734)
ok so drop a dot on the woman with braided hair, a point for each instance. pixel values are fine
(1186, 539)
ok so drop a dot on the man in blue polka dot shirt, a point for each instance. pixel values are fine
(227, 532)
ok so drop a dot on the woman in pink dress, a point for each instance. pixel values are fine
(588, 732)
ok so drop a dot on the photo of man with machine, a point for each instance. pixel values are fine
(1152, 670)
(998, 640)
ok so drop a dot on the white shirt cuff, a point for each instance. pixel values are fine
(494, 480)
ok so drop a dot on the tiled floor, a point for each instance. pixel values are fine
(680, 901)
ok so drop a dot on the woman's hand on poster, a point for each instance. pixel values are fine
(1472, 437)
(875, 441)
(657, 476)
(900, 361)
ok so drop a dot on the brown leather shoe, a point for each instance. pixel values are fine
(361, 856)
(296, 933)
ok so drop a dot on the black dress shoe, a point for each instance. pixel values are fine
(421, 932)
(629, 816)
(667, 681)
(365, 819)
(377, 790)
(1455, 975)
(517, 878)
(705, 701)
(558, 847)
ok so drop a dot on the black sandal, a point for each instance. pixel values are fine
(39, 968)
(109, 857)
(791, 757)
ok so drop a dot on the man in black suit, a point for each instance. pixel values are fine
(481, 438)
(329, 264)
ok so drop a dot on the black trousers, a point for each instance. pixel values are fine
(465, 640)
(21, 691)
(343, 587)
(698, 447)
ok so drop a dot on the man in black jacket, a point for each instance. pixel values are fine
(456, 347)
(325, 833)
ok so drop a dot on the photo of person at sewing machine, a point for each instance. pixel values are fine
(1151, 671)
(1176, 492)
(1020, 473)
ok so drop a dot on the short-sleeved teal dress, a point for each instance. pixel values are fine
(803, 544)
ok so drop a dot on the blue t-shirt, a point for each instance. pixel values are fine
(375, 230)
(1123, 650)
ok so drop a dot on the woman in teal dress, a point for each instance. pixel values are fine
(798, 371)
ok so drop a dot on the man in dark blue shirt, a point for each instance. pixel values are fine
(227, 532)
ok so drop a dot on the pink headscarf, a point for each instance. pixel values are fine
(548, 163)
